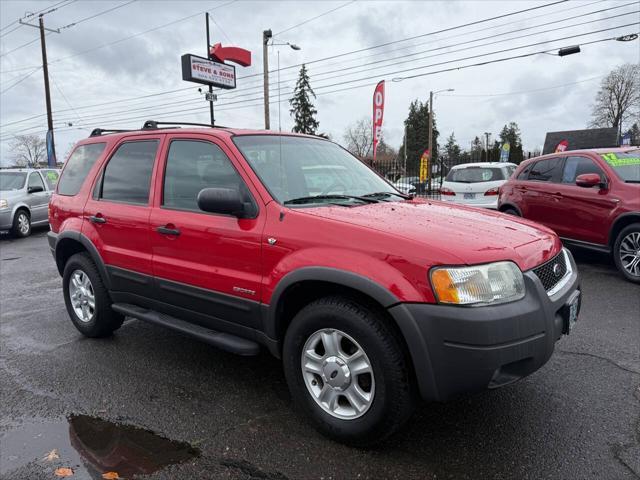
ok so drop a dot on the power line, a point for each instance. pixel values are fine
(522, 92)
(19, 81)
(357, 66)
(314, 18)
(73, 24)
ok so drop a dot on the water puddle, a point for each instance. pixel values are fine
(90, 446)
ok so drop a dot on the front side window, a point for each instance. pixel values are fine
(127, 176)
(574, 166)
(77, 167)
(35, 180)
(300, 168)
(626, 165)
(475, 175)
(546, 170)
(192, 166)
(12, 181)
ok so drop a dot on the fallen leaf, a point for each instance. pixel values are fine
(52, 455)
(64, 472)
(111, 476)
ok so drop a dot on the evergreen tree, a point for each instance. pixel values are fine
(417, 125)
(511, 133)
(452, 150)
(476, 150)
(635, 134)
(302, 110)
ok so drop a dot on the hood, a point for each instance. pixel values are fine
(473, 235)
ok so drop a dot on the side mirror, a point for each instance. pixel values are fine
(588, 180)
(226, 201)
(35, 189)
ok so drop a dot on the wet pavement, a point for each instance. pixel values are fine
(158, 405)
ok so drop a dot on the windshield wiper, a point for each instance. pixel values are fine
(312, 198)
(387, 194)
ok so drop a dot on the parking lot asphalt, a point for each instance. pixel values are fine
(577, 417)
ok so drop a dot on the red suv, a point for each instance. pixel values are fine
(590, 198)
(249, 239)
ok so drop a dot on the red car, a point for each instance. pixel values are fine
(254, 239)
(590, 198)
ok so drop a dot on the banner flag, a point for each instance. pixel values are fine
(424, 166)
(378, 112)
(504, 152)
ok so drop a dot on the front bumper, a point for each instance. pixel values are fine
(468, 349)
(6, 219)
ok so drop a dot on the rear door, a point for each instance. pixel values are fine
(38, 201)
(206, 263)
(583, 210)
(540, 194)
(117, 214)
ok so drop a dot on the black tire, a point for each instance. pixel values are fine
(634, 228)
(394, 397)
(511, 211)
(103, 321)
(16, 230)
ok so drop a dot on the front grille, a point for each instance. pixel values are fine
(552, 272)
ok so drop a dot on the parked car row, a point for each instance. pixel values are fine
(24, 198)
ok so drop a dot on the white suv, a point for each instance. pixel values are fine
(476, 184)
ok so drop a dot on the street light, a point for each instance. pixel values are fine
(266, 36)
(431, 134)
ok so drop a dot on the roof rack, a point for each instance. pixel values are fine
(153, 125)
(96, 132)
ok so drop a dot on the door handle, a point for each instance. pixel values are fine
(167, 230)
(97, 219)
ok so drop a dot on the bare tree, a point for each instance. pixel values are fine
(618, 98)
(28, 150)
(359, 138)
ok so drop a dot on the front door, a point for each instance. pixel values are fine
(117, 215)
(204, 262)
(583, 210)
(38, 199)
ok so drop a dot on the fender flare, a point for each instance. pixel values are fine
(624, 216)
(510, 205)
(90, 247)
(324, 274)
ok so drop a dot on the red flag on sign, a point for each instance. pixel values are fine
(378, 112)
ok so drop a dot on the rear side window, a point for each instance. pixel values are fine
(51, 178)
(192, 166)
(575, 166)
(475, 175)
(77, 168)
(546, 170)
(127, 176)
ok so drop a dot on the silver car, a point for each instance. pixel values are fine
(24, 198)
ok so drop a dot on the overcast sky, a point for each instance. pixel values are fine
(103, 67)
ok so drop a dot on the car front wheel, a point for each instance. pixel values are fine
(21, 224)
(626, 252)
(347, 371)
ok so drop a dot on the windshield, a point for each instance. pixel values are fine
(626, 165)
(12, 180)
(298, 168)
(475, 175)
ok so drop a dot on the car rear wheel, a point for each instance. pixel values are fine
(511, 211)
(87, 299)
(21, 224)
(626, 252)
(347, 371)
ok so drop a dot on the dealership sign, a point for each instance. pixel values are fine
(378, 113)
(205, 71)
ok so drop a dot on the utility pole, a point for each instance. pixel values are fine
(45, 70)
(404, 169)
(266, 35)
(486, 134)
(430, 159)
(213, 120)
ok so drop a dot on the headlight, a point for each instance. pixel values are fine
(3, 204)
(478, 285)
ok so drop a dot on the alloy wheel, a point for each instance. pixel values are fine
(23, 223)
(338, 374)
(82, 296)
(630, 253)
